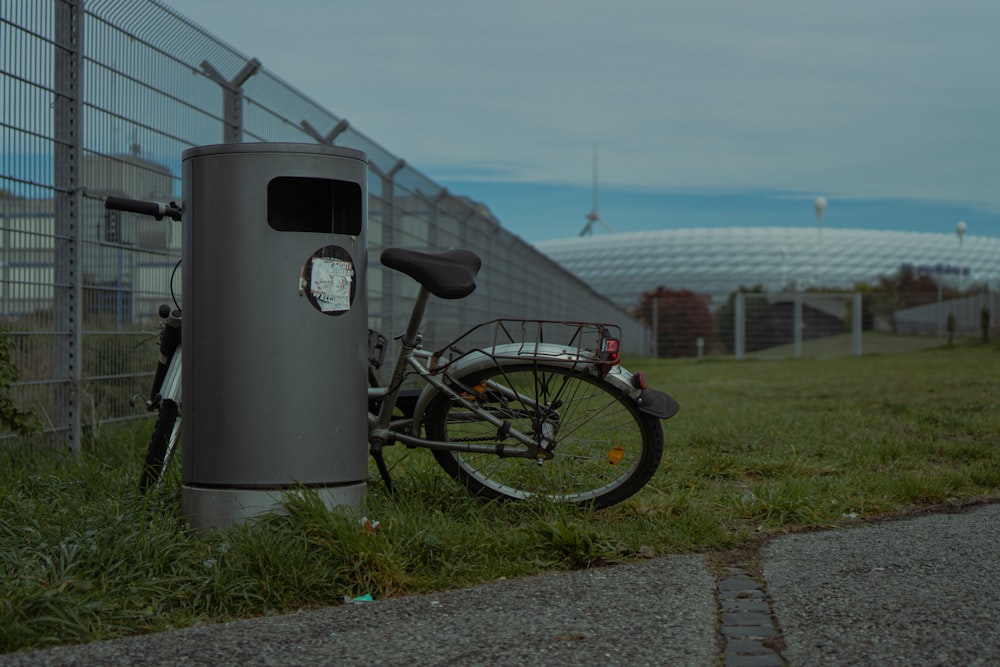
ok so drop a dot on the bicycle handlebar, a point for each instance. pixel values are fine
(151, 208)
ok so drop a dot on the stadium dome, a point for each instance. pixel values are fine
(717, 261)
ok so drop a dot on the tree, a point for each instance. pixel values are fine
(682, 317)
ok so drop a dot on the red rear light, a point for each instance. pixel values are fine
(608, 356)
(609, 351)
(639, 380)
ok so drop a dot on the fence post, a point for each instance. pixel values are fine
(433, 216)
(388, 233)
(856, 325)
(232, 98)
(463, 236)
(68, 268)
(739, 326)
(797, 325)
(330, 136)
(656, 323)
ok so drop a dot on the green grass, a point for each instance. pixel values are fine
(759, 447)
(830, 347)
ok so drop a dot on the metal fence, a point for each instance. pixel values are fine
(830, 325)
(827, 325)
(101, 97)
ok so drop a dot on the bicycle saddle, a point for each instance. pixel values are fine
(448, 275)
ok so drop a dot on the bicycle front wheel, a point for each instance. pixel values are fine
(603, 449)
(161, 445)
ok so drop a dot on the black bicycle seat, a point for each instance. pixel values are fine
(449, 275)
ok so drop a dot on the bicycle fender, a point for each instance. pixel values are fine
(657, 403)
(649, 401)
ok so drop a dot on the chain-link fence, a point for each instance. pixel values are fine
(100, 97)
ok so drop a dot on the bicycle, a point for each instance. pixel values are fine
(517, 417)
(165, 396)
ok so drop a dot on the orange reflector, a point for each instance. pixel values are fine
(616, 455)
(479, 389)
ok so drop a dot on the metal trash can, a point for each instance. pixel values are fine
(275, 328)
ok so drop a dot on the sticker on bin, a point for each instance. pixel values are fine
(330, 283)
(328, 280)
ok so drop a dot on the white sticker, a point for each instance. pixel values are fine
(330, 283)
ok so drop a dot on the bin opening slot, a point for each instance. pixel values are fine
(318, 205)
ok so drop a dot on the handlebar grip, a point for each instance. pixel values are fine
(150, 208)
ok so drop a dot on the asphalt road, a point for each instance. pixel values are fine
(918, 591)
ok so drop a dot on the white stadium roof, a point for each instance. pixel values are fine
(717, 261)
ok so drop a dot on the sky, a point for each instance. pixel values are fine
(701, 114)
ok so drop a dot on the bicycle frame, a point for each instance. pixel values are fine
(402, 430)
(383, 430)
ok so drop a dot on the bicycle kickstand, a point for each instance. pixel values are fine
(383, 470)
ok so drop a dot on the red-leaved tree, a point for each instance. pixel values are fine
(682, 317)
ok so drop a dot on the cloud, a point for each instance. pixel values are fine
(885, 99)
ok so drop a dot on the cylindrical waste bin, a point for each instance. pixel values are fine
(275, 328)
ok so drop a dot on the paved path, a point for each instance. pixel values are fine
(919, 591)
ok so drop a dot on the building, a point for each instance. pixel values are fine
(128, 259)
(717, 261)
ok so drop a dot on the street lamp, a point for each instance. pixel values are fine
(960, 228)
(820, 206)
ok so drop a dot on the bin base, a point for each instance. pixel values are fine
(214, 507)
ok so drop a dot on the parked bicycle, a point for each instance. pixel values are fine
(165, 397)
(510, 409)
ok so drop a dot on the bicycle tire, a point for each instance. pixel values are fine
(605, 449)
(161, 445)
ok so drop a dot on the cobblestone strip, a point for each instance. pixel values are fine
(747, 628)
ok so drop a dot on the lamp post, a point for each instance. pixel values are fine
(820, 206)
(960, 228)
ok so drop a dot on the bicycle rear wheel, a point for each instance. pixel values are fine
(161, 445)
(603, 448)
